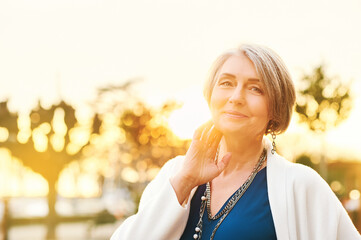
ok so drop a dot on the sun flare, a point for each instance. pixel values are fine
(190, 116)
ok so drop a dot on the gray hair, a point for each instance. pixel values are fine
(279, 87)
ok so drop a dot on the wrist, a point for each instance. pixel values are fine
(182, 187)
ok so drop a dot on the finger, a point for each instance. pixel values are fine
(224, 162)
(207, 127)
(198, 132)
(207, 134)
(213, 140)
(211, 153)
(212, 132)
(214, 137)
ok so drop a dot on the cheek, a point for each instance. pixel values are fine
(215, 105)
(213, 108)
(259, 107)
(216, 102)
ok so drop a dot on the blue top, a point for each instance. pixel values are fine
(251, 217)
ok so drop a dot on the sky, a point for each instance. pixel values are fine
(67, 49)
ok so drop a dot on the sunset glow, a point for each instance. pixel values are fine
(191, 115)
(73, 51)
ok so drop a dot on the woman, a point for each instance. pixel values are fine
(231, 184)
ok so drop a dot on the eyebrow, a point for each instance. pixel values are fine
(233, 76)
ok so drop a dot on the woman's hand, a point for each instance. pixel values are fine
(199, 164)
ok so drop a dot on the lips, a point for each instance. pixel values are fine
(234, 114)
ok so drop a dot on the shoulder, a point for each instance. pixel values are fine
(306, 183)
(300, 175)
(300, 171)
(279, 166)
(297, 175)
(293, 171)
(304, 175)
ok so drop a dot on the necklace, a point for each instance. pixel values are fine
(206, 200)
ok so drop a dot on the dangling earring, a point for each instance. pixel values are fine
(273, 142)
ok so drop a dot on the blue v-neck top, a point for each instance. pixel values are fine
(251, 217)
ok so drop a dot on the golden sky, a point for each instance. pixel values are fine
(65, 48)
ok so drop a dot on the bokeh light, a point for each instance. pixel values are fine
(354, 194)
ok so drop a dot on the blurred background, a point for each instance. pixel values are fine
(95, 96)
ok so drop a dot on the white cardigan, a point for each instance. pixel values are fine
(302, 204)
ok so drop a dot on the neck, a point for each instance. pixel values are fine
(245, 153)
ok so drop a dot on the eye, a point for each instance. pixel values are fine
(225, 83)
(256, 89)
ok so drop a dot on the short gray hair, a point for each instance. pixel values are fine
(279, 87)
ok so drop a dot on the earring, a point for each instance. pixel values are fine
(273, 142)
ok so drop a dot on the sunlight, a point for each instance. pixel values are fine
(39, 137)
(80, 179)
(44, 128)
(4, 134)
(88, 185)
(24, 121)
(92, 164)
(79, 135)
(20, 181)
(58, 123)
(34, 185)
(190, 116)
(23, 136)
(24, 124)
(130, 175)
(40, 141)
(152, 172)
(58, 142)
(111, 135)
(355, 194)
(336, 186)
(73, 148)
(66, 185)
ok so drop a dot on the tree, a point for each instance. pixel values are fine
(148, 143)
(47, 150)
(8, 121)
(306, 160)
(323, 103)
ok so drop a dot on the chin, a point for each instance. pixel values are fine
(239, 130)
(227, 129)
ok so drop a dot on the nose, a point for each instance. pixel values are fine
(237, 96)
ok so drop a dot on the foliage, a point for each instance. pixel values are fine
(51, 127)
(135, 143)
(50, 160)
(148, 136)
(306, 160)
(149, 142)
(8, 119)
(323, 102)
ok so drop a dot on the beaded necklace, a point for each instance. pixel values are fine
(206, 200)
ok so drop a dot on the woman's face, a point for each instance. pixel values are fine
(238, 103)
